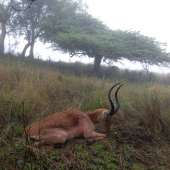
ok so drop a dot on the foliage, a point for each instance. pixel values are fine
(8, 22)
(84, 35)
(25, 5)
(7, 13)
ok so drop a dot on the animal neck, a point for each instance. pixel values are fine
(96, 115)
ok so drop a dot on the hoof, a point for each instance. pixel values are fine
(57, 146)
(89, 142)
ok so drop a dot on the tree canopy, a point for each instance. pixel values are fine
(8, 22)
(84, 35)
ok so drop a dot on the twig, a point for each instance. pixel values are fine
(23, 9)
(4, 141)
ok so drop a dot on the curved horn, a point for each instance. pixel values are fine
(117, 101)
(113, 110)
(110, 100)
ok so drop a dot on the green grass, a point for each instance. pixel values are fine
(31, 90)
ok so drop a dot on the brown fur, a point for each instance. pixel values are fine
(97, 115)
(60, 127)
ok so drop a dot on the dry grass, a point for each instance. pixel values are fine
(140, 131)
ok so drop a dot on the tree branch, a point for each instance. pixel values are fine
(25, 8)
(79, 53)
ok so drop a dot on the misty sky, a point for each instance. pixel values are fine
(151, 17)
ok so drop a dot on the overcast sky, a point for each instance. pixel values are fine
(150, 17)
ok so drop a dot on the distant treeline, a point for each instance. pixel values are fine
(109, 72)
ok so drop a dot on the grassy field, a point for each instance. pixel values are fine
(31, 90)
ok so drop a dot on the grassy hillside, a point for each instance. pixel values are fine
(31, 90)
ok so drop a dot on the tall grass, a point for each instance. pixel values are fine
(150, 104)
(39, 90)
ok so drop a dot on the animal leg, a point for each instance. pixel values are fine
(51, 137)
(94, 137)
(90, 141)
(94, 134)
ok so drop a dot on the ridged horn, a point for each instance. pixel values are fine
(113, 110)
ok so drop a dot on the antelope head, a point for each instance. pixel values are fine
(104, 116)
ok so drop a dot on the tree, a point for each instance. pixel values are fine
(77, 34)
(85, 35)
(8, 22)
(31, 19)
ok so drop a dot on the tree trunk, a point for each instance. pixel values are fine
(97, 62)
(2, 38)
(31, 55)
(25, 49)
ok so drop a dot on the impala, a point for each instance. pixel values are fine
(63, 126)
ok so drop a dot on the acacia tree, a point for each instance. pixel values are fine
(77, 35)
(86, 35)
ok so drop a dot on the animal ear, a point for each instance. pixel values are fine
(104, 117)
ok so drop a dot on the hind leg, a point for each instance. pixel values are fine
(51, 137)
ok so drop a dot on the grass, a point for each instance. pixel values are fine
(31, 90)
